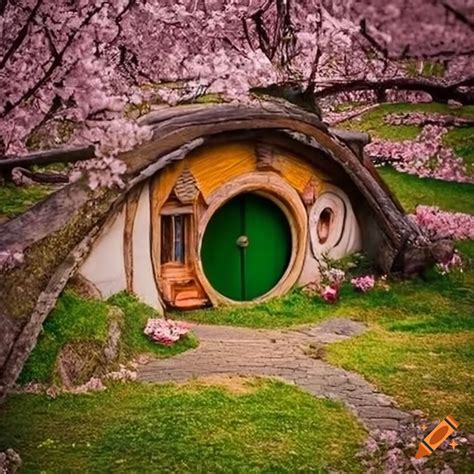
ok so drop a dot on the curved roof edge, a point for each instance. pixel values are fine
(56, 234)
(176, 127)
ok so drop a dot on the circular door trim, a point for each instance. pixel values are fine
(274, 188)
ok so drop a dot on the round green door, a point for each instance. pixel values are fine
(246, 247)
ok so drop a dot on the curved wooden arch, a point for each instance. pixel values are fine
(273, 187)
(174, 127)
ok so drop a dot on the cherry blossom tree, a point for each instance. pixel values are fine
(79, 72)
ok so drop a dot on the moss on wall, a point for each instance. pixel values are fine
(21, 287)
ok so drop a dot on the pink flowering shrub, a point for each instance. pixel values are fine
(455, 264)
(439, 224)
(421, 118)
(426, 156)
(330, 294)
(363, 283)
(166, 331)
(329, 284)
(332, 280)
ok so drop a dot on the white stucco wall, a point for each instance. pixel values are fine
(144, 285)
(344, 236)
(104, 266)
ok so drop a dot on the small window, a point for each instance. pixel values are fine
(324, 224)
(173, 237)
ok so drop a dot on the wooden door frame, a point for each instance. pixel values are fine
(271, 186)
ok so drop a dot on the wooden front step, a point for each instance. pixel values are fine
(190, 303)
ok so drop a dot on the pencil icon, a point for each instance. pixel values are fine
(444, 428)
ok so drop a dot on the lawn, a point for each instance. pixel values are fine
(412, 190)
(420, 343)
(15, 200)
(428, 371)
(460, 139)
(83, 320)
(435, 301)
(256, 426)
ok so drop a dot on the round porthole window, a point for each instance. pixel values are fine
(324, 224)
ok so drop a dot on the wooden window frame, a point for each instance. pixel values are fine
(173, 210)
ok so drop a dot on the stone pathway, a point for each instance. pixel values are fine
(289, 354)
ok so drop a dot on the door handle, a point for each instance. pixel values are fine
(242, 241)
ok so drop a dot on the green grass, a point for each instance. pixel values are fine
(77, 319)
(420, 340)
(270, 427)
(73, 319)
(289, 310)
(466, 247)
(436, 305)
(420, 347)
(431, 372)
(373, 121)
(15, 200)
(412, 190)
(461, 140)
(134, 341)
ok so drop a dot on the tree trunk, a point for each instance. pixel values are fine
(438, 92)
(381, 94)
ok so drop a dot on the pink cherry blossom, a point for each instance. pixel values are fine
(440, 224)
(75, 70)
(426, 156)
(363, 283)
(166, 331)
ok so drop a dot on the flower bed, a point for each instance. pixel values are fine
(440, 224)
(363, 283)
(166, 331)
(426, 156)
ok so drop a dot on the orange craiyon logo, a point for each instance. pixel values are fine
(444, 429)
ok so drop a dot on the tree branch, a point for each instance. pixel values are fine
(56, 63)
(64, 155)
(371, 40)
(21, 34)
(438, 92)
(457, 14)
(38, 177)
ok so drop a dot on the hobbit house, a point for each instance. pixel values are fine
(226, 204)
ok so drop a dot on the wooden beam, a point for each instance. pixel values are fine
(131, 207)
(60, 155)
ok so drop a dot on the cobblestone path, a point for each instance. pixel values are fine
(288, 354)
